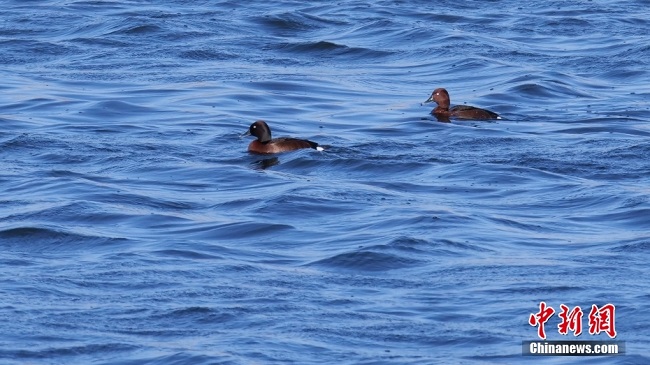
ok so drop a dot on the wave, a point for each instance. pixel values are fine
(37, 240)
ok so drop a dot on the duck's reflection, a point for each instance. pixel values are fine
(266, 163)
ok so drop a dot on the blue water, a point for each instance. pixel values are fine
(136, 229)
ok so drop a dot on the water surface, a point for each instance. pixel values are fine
(136, 229)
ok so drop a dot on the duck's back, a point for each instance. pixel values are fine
(279, 145)
(471, 112)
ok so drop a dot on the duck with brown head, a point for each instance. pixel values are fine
(443, 113)
(264, 144)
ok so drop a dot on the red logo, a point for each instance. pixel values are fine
(570, 321)
(600, 320)
(540, 318)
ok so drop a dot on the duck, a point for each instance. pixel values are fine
(264, 144)
(443, 113)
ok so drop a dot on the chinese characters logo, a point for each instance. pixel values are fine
(601, 319)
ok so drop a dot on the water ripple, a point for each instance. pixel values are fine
(136, 228)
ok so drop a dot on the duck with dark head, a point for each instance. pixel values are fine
(264, 144)
(443, 113)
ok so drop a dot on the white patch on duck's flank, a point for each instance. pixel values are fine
(499, 118)
(319, 148)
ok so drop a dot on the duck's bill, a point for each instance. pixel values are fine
(429, 100)
(245, 134)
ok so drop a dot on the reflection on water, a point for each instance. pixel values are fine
(265, 163)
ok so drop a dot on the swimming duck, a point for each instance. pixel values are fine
(443, 113)
(264, 144)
